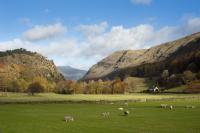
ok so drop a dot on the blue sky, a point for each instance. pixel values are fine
(81, 32)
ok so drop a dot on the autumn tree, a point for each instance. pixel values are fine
(64, 87)
(118, 87)
(35, 87)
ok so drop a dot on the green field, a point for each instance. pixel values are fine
(145, 117)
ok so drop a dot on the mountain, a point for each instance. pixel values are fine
(22, 64)
(71, 73)
(176, 56)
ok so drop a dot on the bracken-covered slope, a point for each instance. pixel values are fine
(176, 56)
(22, 64)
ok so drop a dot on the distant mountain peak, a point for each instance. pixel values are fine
(71, 73)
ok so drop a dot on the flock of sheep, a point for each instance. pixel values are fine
(125, 112)
(69, 118)
(171, 107)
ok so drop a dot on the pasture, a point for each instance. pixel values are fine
(144, 117)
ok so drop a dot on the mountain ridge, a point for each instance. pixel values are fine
(162, 56)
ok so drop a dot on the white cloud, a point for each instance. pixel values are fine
(193, 25)
(141, 2)
(40, 32)
(120, 38)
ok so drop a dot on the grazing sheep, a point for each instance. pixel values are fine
(68, 118)
(121, 109)
(163, 105)
(105, 114)
(126, 113)
(111, 103)
(171, 107)
(190, 106)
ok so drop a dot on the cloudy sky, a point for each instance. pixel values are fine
(80, 33)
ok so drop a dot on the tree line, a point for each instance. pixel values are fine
(41, 84)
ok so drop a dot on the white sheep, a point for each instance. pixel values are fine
(126, 112)
(121, 109)
(105, 114)
(68, 118)
(171, 107)
(190, 106)
(163, 105)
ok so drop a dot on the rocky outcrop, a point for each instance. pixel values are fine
(175, 56)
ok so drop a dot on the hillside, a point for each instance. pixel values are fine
(176, 56)
(22, 64)
(71, 73)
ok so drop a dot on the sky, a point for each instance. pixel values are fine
(79, 33)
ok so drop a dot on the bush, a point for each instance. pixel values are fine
(35, 87)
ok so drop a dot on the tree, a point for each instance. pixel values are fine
(14, 86)
(4, 82)
(188, 75)
(64, 87)
(43, 81)
(118, 86)
(92, 87)
(131, 83)
(192, 67)
(23, 85)
(35, 87)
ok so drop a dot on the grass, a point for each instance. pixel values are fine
(145, 117)
(51, 97)
(179, 89)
